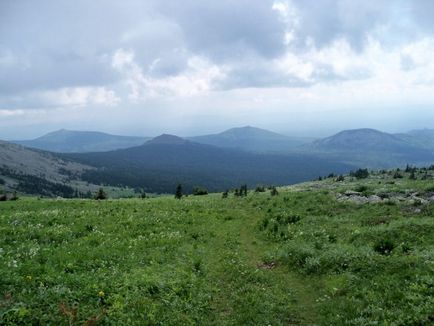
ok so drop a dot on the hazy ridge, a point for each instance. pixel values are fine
(236, 156)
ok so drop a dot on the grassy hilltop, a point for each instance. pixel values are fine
(354, 252)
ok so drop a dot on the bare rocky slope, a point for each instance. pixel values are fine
(38, 172)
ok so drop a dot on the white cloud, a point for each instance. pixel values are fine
(290, 17)
(79, 97)
(11, 113)
(294, 66)
(62, 98)
(344, 61)
(197, 78)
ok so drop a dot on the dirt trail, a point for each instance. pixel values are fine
(241, 243)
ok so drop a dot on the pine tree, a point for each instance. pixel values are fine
(178, 193)
(243, 190)
(101, 194)
(340, 178)
(225, 194)
(274, 191)
(412, 175)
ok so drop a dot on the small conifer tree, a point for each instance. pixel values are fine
(412, 175)
(101, 194)
(178, 192)
(243, 190)
(14, 196)
(340, 178)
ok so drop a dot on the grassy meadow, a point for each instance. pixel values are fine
(302, 257)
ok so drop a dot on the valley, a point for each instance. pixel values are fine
(245, 155)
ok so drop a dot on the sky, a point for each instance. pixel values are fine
(145, 67)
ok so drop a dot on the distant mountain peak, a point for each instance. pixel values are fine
(362, 139)
(251, 139)
(55, 132)
(245, 128)
(67, 141)
(168, 140)
(249, 131)
(361, 131)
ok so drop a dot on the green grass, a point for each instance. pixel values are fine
(299, 258)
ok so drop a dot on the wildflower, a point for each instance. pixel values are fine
(101, 298)
(28, 278)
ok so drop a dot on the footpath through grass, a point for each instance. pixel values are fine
(157, 261)
(299, 258)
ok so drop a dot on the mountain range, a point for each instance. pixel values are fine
(70, 141)
(244, 138)
(237, 156)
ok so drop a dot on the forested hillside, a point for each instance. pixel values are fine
(162, 163)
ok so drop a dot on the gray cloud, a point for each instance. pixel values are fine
(50, 70)
(326, 20)
(227, 29)
(51, 44)
(58, 55)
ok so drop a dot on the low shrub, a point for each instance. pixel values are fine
(397, 175)
(260, 188)
(360, 173)
(361, 188)
(288, 219)
(199, 191)
(14, 196)
(384, 246)
(340, 178)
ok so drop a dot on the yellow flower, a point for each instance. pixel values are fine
(28, 278)
(101, 294)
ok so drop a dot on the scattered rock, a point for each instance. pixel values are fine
(375, 199)
(270, 265)
(351, 193)
(409, 197)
